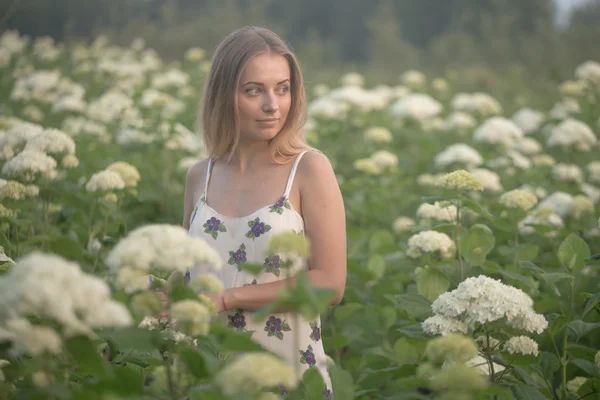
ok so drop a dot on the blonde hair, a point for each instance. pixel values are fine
(219, 116)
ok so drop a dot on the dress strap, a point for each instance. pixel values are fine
(208, 172)
(293, 173)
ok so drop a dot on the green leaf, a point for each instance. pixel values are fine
(252, 269)
(558, 324)
(431, 283)
(477, 244)
(591, 304)
(406, 352)
(382, 241)
(240, 341)
(527, 392)
(553, 277)
(314, 386)
(66, 247)
(531, 266)
(587, 366)
(573, 252)
(582, 328)
(87, 358)
(549, 364)
(132, 338)
(193, 360)
(389, 316)
(414, 305)
(376, 266)
(343, 312)
(343, 385)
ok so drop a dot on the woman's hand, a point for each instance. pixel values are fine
(219, 300)
(165, 301)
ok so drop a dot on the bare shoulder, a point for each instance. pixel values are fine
(315, 166)
(196, 175)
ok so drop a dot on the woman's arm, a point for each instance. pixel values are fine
(325, 227)
(194, 180)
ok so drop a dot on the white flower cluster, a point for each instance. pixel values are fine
(481, 104)
(402, 224)
(184, 139)
(593, 169)
(126, 171)
(589, 72)
(572, 133)
(458, 153)
(49, 287)
(417, 106)
(159, 250)
(16, 137)
(529, 120)
(489, 179)
(252, 372)
(527, 146)
(567, 173)
(380, 161)
(52, 142)
(460, 122)
(378, 134)
(498, 131)
(29, 165)
(565, 108)
(437, 212)
(431, 242)
(479, 300)
(105, 181)
(192, 317)
(413, 79)
(559, 202)
(441, 325)
(521, 345)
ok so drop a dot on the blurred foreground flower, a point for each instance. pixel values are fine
(460, 180)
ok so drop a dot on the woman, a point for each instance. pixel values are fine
(261, 179)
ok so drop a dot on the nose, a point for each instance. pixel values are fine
(270, 105)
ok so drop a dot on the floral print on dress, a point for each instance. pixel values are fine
(237, 320)
(237, 257)
(251, 283)
(308, 357)
(213, 226)
(327, 393)
(275, 327)
(257, 228)
(194, 214)
(278, 206)
(272, 264)
(316, 331)
(187, 277)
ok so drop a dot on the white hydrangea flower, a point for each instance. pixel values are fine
(482, 299)
(253, 372)
(184, 139)
(538, 191)
(498, 131)
(126, 171)
(402, 224)
(52, 142)
(429, 180)
(378, 134)
(104, 181)
(18, 135)
(591, 191)
(437, 212)
(170, 78)
(431, 242)
(543, 160)
(527, 146)
(528, 119)
(439, 85)
(581, 206)
(385, 159)
(521, 345)
(441, 325)
(327, 107)
(162, 248)
(352, 79)
(572, 88)
(320, 89)
(574, 384)
(572, 133)
(28, 165)
(207, 283)
(30, 339)
(459, 121)
(559, 202)
(589, 71)
(367, 165)
(192, 317)
(489, 179)
(565, 108)
(458, 153)
(541, 216)
(50, 287)
(186, 163)
(413, 79)
(567, 173)
(417, 106)
(593, 169)
(479, 103)
(518, 198)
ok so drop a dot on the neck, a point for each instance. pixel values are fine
(249, 156)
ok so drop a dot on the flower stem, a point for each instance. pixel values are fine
(457, 240)
(564, 362)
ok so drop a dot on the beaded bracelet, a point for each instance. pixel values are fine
(224, 304)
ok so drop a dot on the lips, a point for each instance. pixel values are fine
(268, 120)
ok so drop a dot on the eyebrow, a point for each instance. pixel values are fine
(262, 84)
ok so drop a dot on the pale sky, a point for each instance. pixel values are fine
(564, 8)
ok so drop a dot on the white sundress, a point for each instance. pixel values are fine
(245, 239)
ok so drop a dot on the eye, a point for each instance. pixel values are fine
(284, 89)
(252, 91)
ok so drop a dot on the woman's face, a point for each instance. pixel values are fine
(264, 97)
